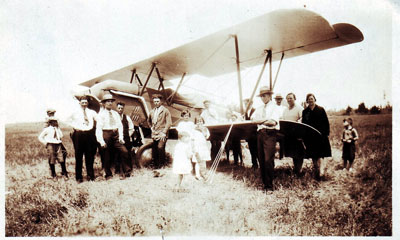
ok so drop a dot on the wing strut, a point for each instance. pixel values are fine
(133, 75)
(153, 65)
(270, 69)
(276, 75)
(171, 97)
(161, 84)
(267, 58)
(238, 73)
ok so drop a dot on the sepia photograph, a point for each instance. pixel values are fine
(199, 119)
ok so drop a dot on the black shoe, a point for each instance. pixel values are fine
(269, 189)
(80, 180)
(91, 178)
(127, 175)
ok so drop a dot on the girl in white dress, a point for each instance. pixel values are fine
(183, 152)
(202, 151)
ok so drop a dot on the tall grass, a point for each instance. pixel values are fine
(233, 205)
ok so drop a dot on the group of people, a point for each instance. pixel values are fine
(110, 131)
(262, 146)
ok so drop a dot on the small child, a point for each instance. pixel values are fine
(349, 137)
(202, 152)
(51, 138)
(183, 152)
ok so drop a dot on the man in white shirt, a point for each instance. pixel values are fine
(109, 133)
(294, 111)
(294, 147)
(268, 117)
(83, 138)
(281, 108)
(127, 129)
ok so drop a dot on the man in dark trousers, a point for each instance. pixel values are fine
(160, 121)
(267, 116)
(109, 133)
(83, 138)
(252, 140)
(127, 126)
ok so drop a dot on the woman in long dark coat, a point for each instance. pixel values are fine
(316, 117)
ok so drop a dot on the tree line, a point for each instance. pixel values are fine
(362, 109)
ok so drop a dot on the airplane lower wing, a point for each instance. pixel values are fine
(246, 129)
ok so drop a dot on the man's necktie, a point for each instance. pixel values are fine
(112, 121)
(85, 117)
(264, 113)
(155, 117)
(55, 134)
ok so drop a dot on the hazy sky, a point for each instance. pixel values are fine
(48, 47)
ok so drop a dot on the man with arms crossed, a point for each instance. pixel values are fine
(294, 147)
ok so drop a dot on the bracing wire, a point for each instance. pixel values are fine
(217, 159)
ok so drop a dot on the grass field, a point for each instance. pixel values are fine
(345, 204)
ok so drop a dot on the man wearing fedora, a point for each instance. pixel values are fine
(159, 121)
(109, 133)
(83, 138)
(267, 116)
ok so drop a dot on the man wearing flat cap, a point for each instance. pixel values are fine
(109, 133)
(267, 116)
(159, 121)
(83, 138)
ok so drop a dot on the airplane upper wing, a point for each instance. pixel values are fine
(292, 31)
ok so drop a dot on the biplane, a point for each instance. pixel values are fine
(275, 36)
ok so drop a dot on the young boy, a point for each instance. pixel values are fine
(50, 113)
(51, 138)
(349, 137)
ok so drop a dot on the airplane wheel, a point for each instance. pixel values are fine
(144, 155)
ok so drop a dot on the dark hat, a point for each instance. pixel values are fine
(278, 96)
(107, 97)
(265, 90)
